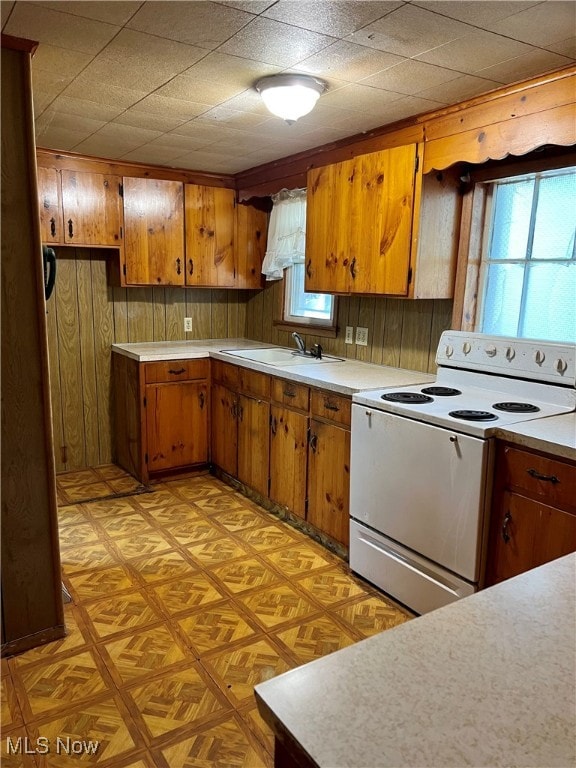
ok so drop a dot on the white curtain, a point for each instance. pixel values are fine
(286, 233)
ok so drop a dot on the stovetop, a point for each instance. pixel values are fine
(471, 394)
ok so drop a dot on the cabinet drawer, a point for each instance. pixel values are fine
(176, 370)
(327, 405)
(290, 394)
(226, 374)
(254, 383)
(540, 477)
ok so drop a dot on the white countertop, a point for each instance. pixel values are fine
(346, 377)
(487, 681)
(555, 434)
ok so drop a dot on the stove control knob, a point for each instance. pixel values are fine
(490, 350)
(449, 350)
(466, 347)
(510, 354)
(560, 365)
(539, 357)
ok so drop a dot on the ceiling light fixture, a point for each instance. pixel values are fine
(290, 96)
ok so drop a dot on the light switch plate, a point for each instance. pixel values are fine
(362, 336)
(187, 324)
(349, 335)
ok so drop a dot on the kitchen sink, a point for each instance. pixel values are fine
(280, 356)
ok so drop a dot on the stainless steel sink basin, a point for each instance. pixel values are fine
(280, 356)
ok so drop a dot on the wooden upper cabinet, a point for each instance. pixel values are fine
(210, 230)
(359, 224)
(376, 226)
(80, 208)
(91, 204)
(251, 237)
(50, 195)
(154, 232)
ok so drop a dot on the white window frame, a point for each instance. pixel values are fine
(292, 317)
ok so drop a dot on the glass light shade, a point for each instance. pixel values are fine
(290, 96)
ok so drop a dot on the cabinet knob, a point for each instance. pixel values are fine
(560, 365)
(539, 357)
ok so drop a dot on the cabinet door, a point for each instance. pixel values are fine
(513, 532)
(288, 459)
(154, 232)
(251, 234)
(224, 429)
(359, 224)
(50, 198)
(210, 225)
(91, 208)
(176, 424)
(329, 480)
(253, 445)
(556, 535)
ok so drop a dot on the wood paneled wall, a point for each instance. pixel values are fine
(85, 316)
(401, 333)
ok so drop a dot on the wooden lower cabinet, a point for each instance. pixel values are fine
(224, 428)
(533, 512)
(253, 447)
(329, 480)
(288, 458)
(176, 425)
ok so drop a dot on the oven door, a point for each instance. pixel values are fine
(422, 486)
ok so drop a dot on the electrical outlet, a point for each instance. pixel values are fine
(362, 336)
(187, 324)
(349, 335)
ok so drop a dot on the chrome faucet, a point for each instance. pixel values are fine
(300, 343)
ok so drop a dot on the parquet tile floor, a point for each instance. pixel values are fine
(184, 598)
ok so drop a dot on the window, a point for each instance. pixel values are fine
(528, 267)
(285, 257)
(303, 308)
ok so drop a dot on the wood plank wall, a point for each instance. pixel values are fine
(85, 316)
(401, 333)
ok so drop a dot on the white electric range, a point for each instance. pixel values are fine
(422, 461)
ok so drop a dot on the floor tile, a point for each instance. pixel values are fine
(73, 536)
(95, 555)
(60, 683)
(371, 615)
(277, 605)
(215, 627)
(217, 551)
(125, 525)
(220, 503)
(267, 537)
(240, 519)
(144, 544)
(143, 654)
(158, 498)
(106, 724)
(238, 670)
(11, 714)
(120, 613)
(167, 565)
(314, 638)
(176, 701)
(13, 746)
(85, 492)
(225, 745)
(242, 575)
(258, 726)
(73, 641)
(333, 586)
(297, 559)
(71, 514)
(124, 484)
(173, 514)
(196, 530)
(199, 487)
(79, 477)
(103, 582)
(187, 593)
(110, 472)
(111, 507)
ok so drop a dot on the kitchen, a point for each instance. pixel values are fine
(401, 333)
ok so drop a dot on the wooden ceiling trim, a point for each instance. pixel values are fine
(48, 158)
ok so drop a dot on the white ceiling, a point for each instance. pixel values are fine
(170, 83)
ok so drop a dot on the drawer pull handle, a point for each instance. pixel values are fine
(53, 227)
(353, 268)
(313, 442)
(505, 524)
(289, 392)
(330, 406)
(309, 268)
(202, 400)
(190, 267)
(70, 228)
(178, 266)
(176, 373)
(546, 478)
(273, 425)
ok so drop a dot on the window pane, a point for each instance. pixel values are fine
(550, 306)
(555, 218)
(502, 299)
(511, 222)
(314, 306)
